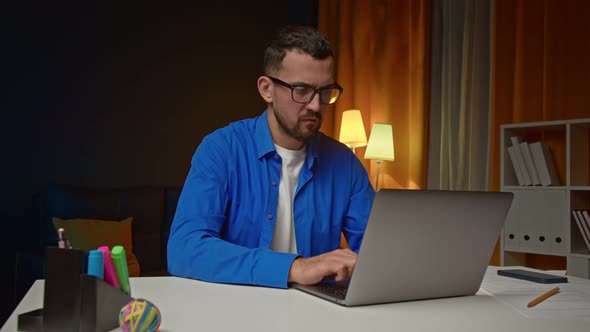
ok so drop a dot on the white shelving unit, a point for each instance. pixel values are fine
(540, 219)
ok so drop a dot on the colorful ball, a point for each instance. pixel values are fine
(139, 315)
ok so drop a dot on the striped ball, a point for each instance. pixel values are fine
(139, 315)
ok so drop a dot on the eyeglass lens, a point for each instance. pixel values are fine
(303, 94)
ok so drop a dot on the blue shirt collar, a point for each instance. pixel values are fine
(265, 145)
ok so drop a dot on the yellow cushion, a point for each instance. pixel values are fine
(88, 234)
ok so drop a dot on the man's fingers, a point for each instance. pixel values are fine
(337, 264)
(342, 274)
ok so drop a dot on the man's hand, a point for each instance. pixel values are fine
(338, 264)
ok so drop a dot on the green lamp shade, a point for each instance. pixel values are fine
(380, 145)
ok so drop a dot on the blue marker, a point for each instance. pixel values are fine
(95, 264)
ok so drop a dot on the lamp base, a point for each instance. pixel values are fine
(377, 177)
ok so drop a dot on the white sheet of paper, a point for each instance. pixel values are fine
(572, 301)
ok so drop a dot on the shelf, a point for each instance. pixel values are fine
(580, 255)
(539, 188)
(572, 188)
(546, 124)
(580, 188)
(540, 252)
(540, 219)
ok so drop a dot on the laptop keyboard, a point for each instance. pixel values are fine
(335, 290)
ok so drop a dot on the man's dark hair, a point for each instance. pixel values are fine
(303, 38)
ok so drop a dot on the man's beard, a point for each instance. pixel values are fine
(295, 131)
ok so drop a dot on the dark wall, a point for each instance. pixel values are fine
(121, 94)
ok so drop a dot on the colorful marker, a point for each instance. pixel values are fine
(110, 275)
(120, 262)
(62, 240)
(96, 264)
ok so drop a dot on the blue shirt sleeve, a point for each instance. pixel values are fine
(360, 205)
(195, 246)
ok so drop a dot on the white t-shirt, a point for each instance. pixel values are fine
(283, 239)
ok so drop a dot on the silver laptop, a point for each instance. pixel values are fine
(422, 244)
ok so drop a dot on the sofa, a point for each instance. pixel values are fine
(151, 207)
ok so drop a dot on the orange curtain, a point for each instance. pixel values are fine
(382, 51)
(540, 71)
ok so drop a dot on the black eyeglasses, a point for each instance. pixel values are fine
(304, 94)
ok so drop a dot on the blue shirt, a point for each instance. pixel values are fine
(225, 216)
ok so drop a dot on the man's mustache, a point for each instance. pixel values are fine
(308, 115)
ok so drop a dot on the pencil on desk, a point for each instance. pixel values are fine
(543, 297)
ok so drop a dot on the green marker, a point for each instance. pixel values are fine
(120, 262)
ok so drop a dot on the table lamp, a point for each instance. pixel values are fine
(352, 130)
(380, 146)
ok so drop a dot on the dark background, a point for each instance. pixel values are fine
(116, 94)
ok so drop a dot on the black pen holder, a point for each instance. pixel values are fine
(73, 301)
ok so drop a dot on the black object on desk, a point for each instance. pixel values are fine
(543, 278)
(73, 301)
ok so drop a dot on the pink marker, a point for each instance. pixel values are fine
(110, 275)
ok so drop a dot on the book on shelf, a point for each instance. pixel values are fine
(529, 163)
(586, 222)
(580, 221)
(544, 164)
(520, 160)
(516, 166)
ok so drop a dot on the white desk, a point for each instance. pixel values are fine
(190, 305)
